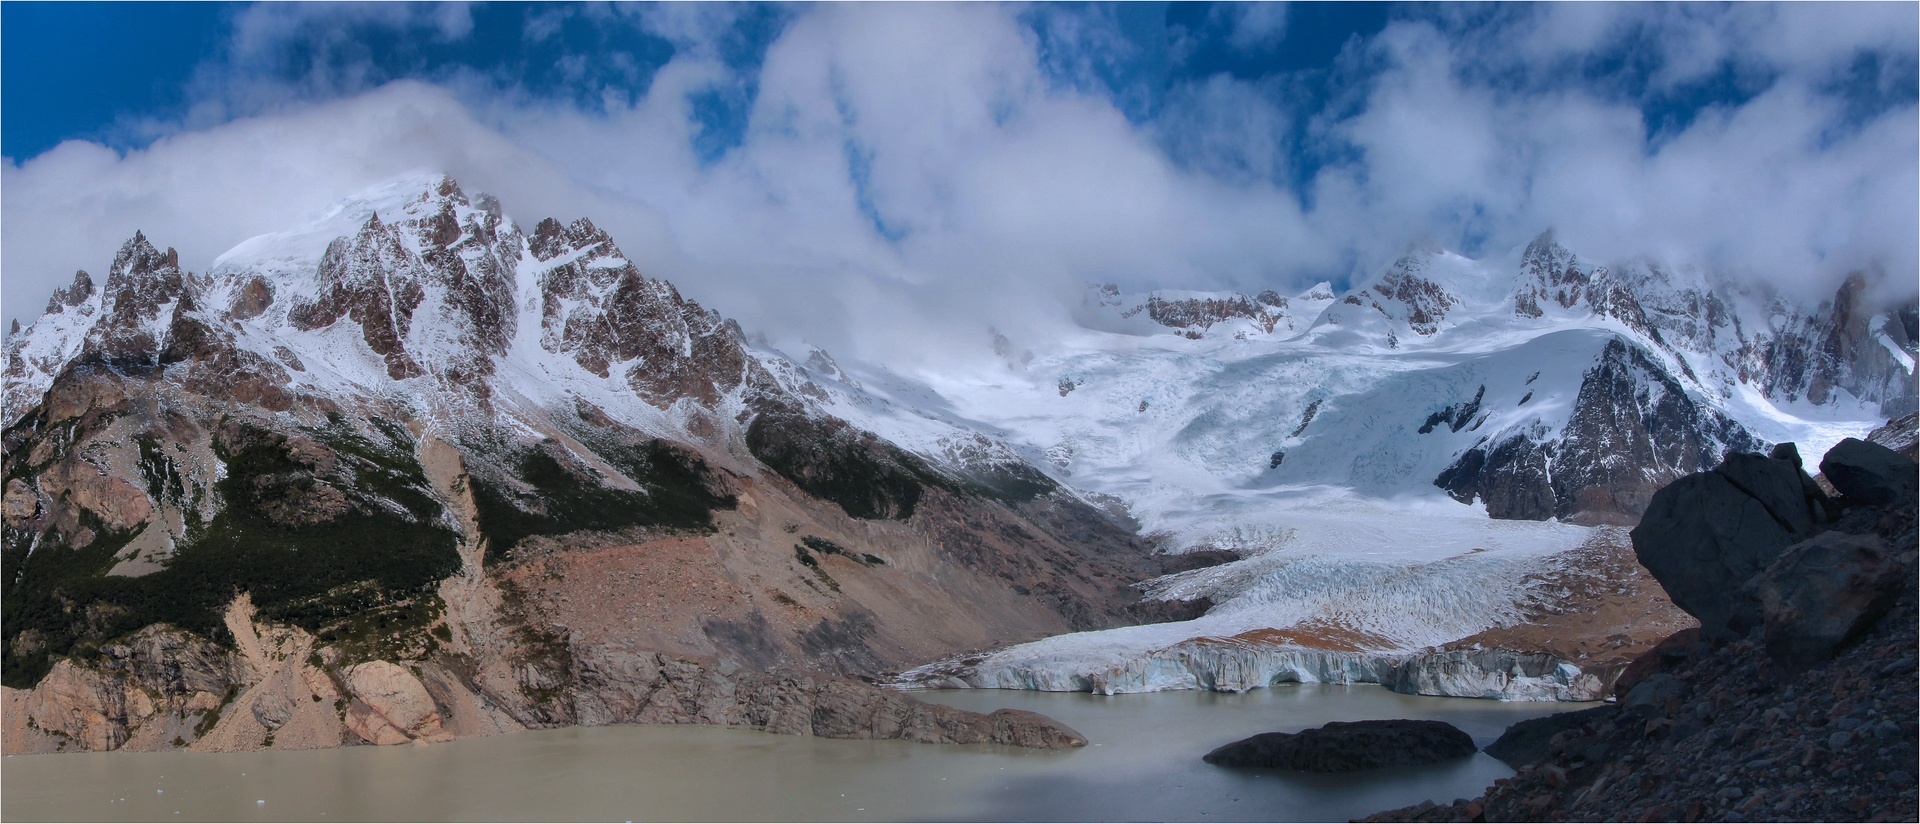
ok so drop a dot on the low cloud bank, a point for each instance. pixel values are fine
(905, 177)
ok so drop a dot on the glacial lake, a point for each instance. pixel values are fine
(1143, 764)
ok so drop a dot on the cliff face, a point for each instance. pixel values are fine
(1633, 428)
(410, 474)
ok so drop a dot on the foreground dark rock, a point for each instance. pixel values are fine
(1529, 741)
(1812, 718)
(1869, 472)
(1346, 746)
(1825, 591)
(1710, 532)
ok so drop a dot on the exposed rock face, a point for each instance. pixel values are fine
(1824, 592)
(376, 282)
(429, 546)
(1423, 303)
(1848, 343)
(143, 291)
(118, 504)
(1870, 472)
(1899, 435)
(1549, 274)
(649, 688)
(1634, 428)
(599, 309)
(445, 248)
(1346, 746)
(390, 704)
(1203, 313)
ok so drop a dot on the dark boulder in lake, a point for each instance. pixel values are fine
(1345, 746)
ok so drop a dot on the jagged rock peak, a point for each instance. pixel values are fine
(1548, 271)
(1426, 301)
(139, 257)
(72, 294)
(550, 239)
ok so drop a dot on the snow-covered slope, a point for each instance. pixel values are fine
(1354, 446)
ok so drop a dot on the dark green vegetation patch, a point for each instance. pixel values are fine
(826, 547)
(565, 498)
(867, 476)
(385, 548)
(829, 459)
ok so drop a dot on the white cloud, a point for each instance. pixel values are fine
(1005, 190)
(1771, 189)
(1257, 25)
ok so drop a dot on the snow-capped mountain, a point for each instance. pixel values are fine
(411, 429)
(1541, 387)
(1399, 436)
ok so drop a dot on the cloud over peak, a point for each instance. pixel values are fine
(877, 176)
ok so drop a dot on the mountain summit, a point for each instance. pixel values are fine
(412, 450)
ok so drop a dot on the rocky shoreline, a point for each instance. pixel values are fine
(166, 690)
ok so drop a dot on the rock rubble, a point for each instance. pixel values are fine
(1811, 716)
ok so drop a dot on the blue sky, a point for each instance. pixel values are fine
(107, 72)
(879, 153)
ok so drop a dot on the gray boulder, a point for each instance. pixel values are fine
(1528, 741)
(1707, 534)
(1659, 695)
(1870, 473)
(1345, 746)
(1825, 591)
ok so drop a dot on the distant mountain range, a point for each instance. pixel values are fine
(509, 462)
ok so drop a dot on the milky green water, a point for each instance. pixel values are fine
(1144, 764)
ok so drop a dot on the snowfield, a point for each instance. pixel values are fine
(1311, 452)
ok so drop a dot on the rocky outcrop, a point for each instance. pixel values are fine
(117, 504)
(390, 705)
(1815, 718)
(597, 308)
(1705, 535)
(1633, 429)
(1203, 313)
(1900, 435)
(144, 289)
(1347, 746)
(1535, 739)
(1421, 303)
(1850, 343)
(1869, 472)
(373, 280)
(1826, 591)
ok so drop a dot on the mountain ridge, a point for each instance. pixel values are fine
(588, 467)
